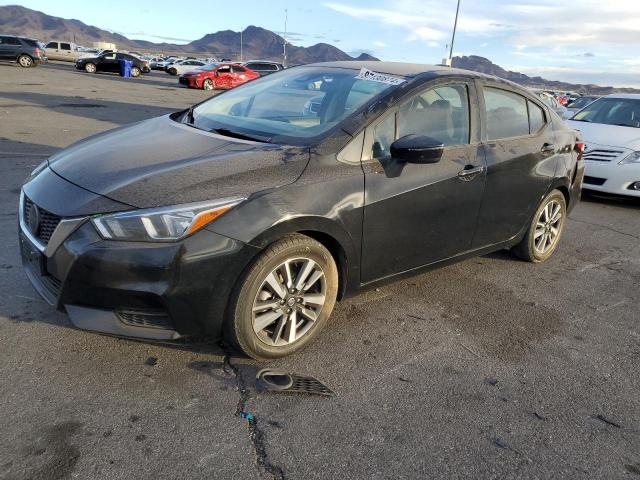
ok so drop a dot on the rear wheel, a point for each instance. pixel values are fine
(284, 299)
(543, 236)
(25, 61)
(135, 72)
(207, 84)
(90, 68)
(172, 71)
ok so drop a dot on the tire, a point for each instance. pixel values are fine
(90, 67)
(135, 72)
(254, 302)
(25, 61)
(207, 84)
(544, 233)
(172, 71)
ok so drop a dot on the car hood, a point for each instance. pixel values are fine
(610, 135)
(162, 162)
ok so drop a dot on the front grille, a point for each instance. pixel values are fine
(594, 180)
(48, 221)
(146, 318)
(602, 155)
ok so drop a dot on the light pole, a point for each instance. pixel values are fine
(241, 45)
(284, 45)
(449, 60)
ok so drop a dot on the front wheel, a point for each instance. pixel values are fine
(135, 72)
(172, 71)
(207, 84)
(90, 68)
(284, 299)
(543, 236)
(25, 61)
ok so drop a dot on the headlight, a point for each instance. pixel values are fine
(163, 224)
(631, 158)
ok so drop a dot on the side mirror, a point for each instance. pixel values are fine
(417, 149)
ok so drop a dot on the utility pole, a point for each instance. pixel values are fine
(449, 60)
(284, 45)
(241, 45)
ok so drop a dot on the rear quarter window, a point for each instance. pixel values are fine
(536, 117)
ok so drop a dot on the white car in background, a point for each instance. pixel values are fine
(610, 127)
(182, 66)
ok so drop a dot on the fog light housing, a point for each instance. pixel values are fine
(635, 186)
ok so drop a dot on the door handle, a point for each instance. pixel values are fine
(469, 172)
(548, 149)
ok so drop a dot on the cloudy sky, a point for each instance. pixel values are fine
(587, 41)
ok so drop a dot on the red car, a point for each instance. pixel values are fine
(217, 76)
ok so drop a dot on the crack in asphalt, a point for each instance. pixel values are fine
(606, 228)
(255, 433)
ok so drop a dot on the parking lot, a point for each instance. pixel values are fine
(491, 368)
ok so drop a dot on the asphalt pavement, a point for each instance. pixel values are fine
(491, 368)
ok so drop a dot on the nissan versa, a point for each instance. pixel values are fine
(247, 216)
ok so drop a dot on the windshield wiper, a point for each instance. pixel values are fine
(242, 136)
(624, 125)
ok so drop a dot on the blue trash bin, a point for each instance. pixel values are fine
(125, 68)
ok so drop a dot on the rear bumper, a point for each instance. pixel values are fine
(610, 177)
(154, 291)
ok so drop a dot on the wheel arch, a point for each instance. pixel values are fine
(328, 233)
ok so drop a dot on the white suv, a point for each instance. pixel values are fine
(611, 130)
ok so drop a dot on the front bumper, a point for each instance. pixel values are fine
(155, 291)
(190, 82)
(610, 177)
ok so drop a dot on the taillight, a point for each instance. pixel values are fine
(580, 149)
(38, 52)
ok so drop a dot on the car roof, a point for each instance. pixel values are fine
(399, 68)
(635, 96)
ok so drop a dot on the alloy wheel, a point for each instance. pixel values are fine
(25, 61)
(207, 85)
(90, 68)
(548, 227)
(289, 301)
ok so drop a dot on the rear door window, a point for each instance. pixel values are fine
(507, 115)
(65, 46)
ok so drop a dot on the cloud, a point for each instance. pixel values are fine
(379, 44)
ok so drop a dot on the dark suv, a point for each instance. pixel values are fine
(262, 67)
(25, 51)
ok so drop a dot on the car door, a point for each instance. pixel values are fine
(52, 51)
(223, 76)
(417, 214)
(5, 48)
(109, 63)
(238, 75)
(521, 158)
(65, 52)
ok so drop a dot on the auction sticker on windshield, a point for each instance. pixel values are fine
(366, 74)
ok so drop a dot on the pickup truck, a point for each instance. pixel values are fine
(65, 51)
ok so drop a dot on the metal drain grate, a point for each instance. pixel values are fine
(276, 381)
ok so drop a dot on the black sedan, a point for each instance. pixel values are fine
(247, 216)
(110, 62)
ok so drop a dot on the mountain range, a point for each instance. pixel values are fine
(257, 43)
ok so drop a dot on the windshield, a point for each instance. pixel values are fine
(291, 106)
(581, 102)
(624, 112)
